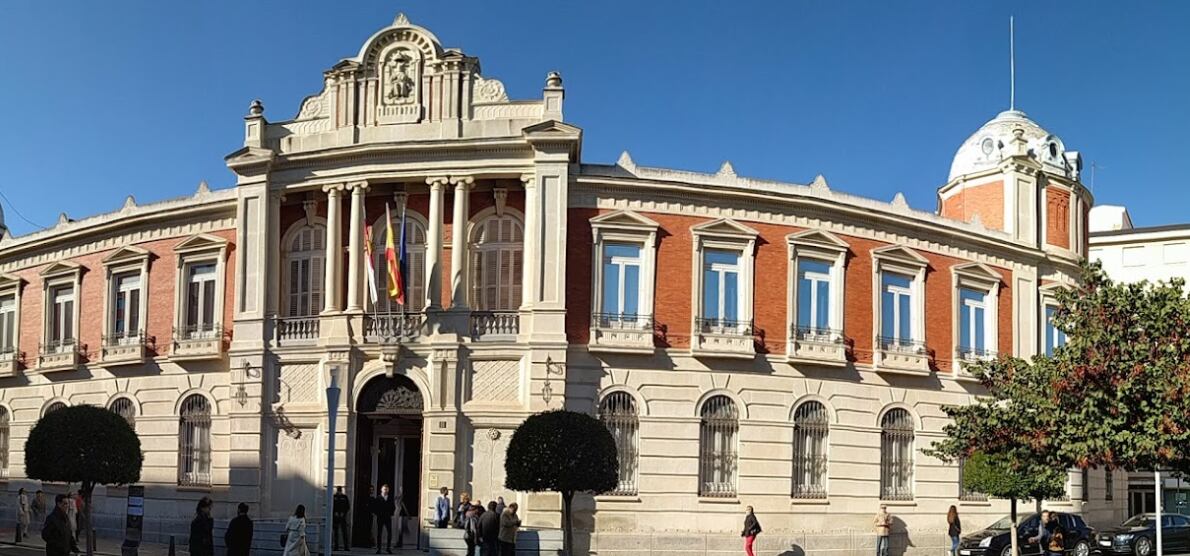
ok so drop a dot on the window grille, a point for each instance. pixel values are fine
(4, 422)
(496, 264)
(306, 261)
(618, 413)
(194, 442)
(1109, 484)
(1086, 476)
(896, 455)
(53, 407)
(717, 447)
(124, 408)
(810, 427)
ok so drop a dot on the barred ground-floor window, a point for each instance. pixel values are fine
(4, 421)
(810, 427)
(618, 413)
(717, 459)
(124, 408)
(896, 455)
(194, 442)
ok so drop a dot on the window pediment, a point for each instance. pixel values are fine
(725, 229)
(624, 220)
(900, 254)
(977, 273)
(817, 239)
(127, 254)
(200, 243)
(10, 281)
(61, 269)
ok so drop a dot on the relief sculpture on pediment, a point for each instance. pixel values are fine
(399, 71)
(399, 75)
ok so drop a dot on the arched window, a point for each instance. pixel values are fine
(124, 408)
(305, 264)
(717, 447)
(497, 249)
(194, 442)
(53, 407)
(810, 427)
(618, 413)
(414, 271)
(4, 422)
(896, 455)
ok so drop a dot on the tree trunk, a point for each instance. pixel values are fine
(1016, 551)
(87, 488)
(567, 532)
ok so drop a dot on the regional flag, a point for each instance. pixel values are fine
(371, 262)
(396, 284)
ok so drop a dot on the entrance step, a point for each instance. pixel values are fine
(529, 542)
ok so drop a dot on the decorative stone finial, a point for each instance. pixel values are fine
(62, 218)
(553, 80)
(899, 201)
(256, 109)
(726, 169)
(626, 161)
(129, 203)
(203, 188)
(401, 20)
(819, 184)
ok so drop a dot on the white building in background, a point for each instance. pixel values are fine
(1131, 254)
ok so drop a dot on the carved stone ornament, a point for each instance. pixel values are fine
(399, 400)
(399, 74)
(493, 435)
(489, 90)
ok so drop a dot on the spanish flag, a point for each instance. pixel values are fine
(396, 283)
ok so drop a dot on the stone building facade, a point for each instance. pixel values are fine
(779, 345)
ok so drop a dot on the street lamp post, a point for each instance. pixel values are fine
(332, 405)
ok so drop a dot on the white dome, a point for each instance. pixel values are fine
(989, 145)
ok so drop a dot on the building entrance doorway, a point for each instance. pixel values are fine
(388, 440)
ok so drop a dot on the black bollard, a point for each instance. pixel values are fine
(172, 550)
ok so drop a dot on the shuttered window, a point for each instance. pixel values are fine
(305, 260)
(414, 267)
(497, 251)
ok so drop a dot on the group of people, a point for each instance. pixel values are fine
(488, 530)
(1050, 535)
(65, 518)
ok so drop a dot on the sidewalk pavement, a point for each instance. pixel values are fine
(111, 547)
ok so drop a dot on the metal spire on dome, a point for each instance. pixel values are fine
(1011, 63)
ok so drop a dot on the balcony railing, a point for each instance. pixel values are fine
(123, 347)
(9, 360)
(975, 354)
(493, 325)
(903, 354)
(716, 337)
(818, 334)
(902, 345)
(198, 341)
(395, 328)
(58, 355)
(621, 332)
(724, 326)
(290, 329)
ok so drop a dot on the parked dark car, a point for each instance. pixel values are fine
(1138, 535)
(995, 539)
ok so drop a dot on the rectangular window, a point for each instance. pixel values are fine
(61, 317)
(813, 296)
(8, 317)
(1109, 484)
(721, 287)
(126, 302)
(1054, 337)
(1174, 253)
(973, 312)
(621, 281)
(1134, 256)
(200, 301)
(896, 309)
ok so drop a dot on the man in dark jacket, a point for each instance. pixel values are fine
(383, 509)
(489, 530)
(238, 537)
(56, 531)
(342, 505)
(202, 529)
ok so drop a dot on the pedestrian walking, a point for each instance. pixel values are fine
(56, 531)
(751, 529)
(500, 505)
(39, 507)
(883, 524)
(202, 529)
(238, 538)
(489, 531)
(72, 514)
(383, 510)
(23, 514)
(954, 528)
(342, 506)
(295, 534)
(461, 511)
(510, 523)
(442, 509)
(470, 525)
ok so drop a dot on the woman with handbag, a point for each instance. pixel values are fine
(751, 529)
(294, 538)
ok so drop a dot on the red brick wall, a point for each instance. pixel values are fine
(1057, 213)
(159, 297)
(672, 306)
(985, 200)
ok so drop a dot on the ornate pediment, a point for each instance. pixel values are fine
(725, 227)
(817, 238)
(399, 400)
(126, 254)
(61, 268)
(978, 272)
(199, 243)
(900, 254)
(624, 219)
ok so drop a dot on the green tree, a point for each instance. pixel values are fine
(1002, 477)
(87, 445)
(564, 452)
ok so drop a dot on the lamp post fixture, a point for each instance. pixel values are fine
(332, 405)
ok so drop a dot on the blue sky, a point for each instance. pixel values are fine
(106, 99)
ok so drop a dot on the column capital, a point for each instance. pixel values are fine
(334, 189)
(437, 181)
(462, 181)
(529, 180)
(358, 187)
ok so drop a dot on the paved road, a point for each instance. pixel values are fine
(13, 550)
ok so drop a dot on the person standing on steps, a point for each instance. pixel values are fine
(442, 509)
(489, 531)
(295, 534)
(751, 529)
(883, 524)
(384, 510)
(341, 507)
(238, 538)
(954, 528)
(510, 523)
(56, 532)
(202, 529)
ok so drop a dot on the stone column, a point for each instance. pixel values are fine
(530, 250)
(434, 244)
(355, 247)
(458, 245)
(334, 248)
